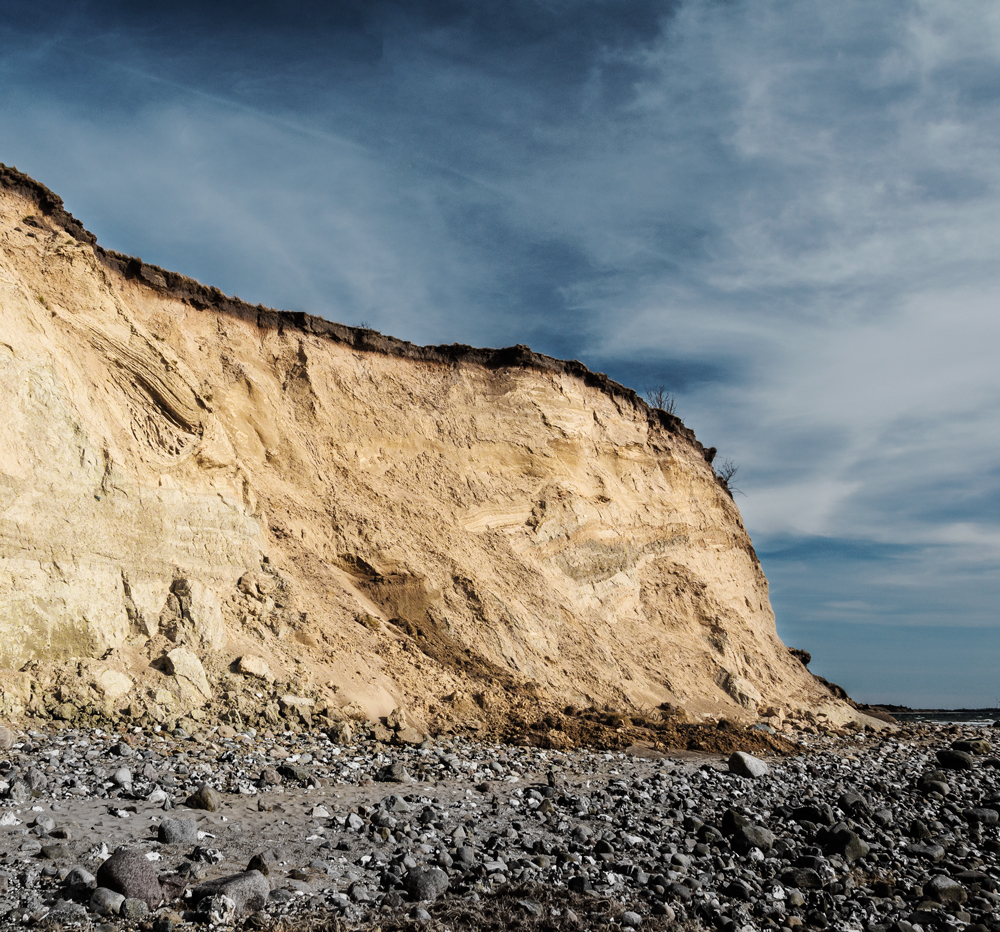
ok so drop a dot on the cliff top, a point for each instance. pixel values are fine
(200, 296)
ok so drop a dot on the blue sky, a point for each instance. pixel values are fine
(788, 213)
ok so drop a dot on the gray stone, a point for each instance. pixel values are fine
(64, 911)
(631, 920)
(394, 773)
(130, 873)
(955, 760)
(106, 902)
(817, 813)
(426, 883)
(205, 797)
(945, 890)
(269, 777)
(465, 857)
(847, 844)
(854, 804)
(295, 773)
(178, 832)
(80, 880)
(7, 738)
(984, 816)
(746, 765)
(248, 891)
(802, 878)
(133, 908)
(30, 847)
(122, 777)
(354, 822)
(927, 850)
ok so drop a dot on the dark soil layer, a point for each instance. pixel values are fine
(529, 908)
(527, 724)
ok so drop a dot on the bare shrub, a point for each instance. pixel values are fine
(726, 471)
(659, 397)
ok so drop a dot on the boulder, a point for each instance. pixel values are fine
(426, 883)
(955, 760)
(113, 685)
(846, 843)
(205, 798)
(746, 765)
(129, 872)
(945, 890)
(247, 891)
(186, 668)
(251, 665)
(178, 832)
(106, 902)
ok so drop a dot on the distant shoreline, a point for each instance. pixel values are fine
(906, 710)
(906, 714)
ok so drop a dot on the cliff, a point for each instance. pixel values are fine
(206, 505)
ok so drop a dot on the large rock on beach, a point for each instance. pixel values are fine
(186, 668)
(130, 873)
(945, 890)
(248, 892)
(951, 759)
(178, 832)
(205, 797)
(426, 883)
(746, 765)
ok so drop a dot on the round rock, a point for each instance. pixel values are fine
(129, 873)
(955, 760)
(426, 883)
(106, 902)
(205, 798)
(178, 832)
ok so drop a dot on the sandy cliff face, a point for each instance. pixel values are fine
(186, 480)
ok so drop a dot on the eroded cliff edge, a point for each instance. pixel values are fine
(186, 480)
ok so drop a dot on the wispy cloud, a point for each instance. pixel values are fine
(785, 211)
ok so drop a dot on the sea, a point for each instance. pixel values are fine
(984, 717)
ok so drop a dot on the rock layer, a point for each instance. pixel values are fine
(186, 480)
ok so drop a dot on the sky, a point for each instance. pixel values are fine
(786, 212)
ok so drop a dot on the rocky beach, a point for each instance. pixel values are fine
(892, 829)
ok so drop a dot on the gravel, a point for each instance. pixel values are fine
(873, 832)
